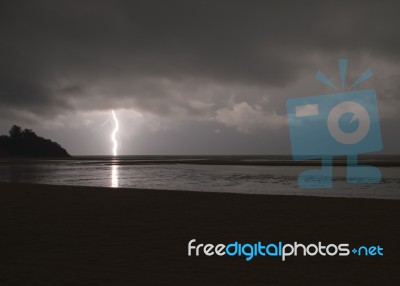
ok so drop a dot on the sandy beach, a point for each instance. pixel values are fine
(64, 235)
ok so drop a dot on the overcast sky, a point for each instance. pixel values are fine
(187, 77)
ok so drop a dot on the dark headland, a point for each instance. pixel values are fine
(25, 143)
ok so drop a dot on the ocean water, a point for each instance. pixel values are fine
(234, 174)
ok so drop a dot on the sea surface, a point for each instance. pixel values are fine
(276, 175)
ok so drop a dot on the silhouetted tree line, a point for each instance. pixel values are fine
(25, 143)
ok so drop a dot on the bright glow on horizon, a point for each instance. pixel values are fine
(114, 133)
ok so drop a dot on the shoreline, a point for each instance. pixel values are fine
(78, 188)
(67, 235)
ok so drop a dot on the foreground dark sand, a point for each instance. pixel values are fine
(53, 235)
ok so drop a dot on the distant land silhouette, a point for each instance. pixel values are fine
(25, 143)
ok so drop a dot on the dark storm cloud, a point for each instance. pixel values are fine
(55, 51)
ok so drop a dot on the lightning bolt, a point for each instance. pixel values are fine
(105, 122)
(114, 133)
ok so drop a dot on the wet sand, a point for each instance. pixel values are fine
(64, 235)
